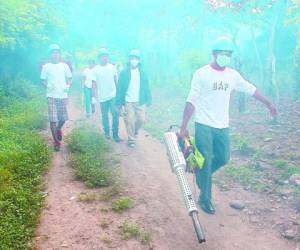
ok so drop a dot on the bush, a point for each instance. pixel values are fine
(16, 89)
(131, 230)
(24, 156)
(122, 204)
(90, 157)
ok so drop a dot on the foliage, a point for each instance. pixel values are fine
(131, 230)
(89, 157)
(28, 21)
(122, 204)
(243, 174)
(241, 144)
(24, 157)
(285, 168)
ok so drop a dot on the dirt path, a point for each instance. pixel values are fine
(67, 223)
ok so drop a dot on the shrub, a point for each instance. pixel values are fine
(131, 230)
(90, 157)
(122, 204)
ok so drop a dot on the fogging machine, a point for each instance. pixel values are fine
(178, 166)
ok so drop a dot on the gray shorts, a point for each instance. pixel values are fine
(57, 109)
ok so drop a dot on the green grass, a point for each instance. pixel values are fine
(246, 175)
(243, 174)
(132, 230)
(24, 157)
(242, 145)
(285, 168)
(90, 157)
(122, 204)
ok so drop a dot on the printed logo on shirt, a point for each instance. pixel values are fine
(220, 86)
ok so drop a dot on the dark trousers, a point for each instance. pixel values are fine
(106, 107)
(214, 144)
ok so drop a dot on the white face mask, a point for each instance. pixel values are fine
(134, 62)
(223, 60)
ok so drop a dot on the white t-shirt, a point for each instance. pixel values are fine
(56, 75)
(210, 94)
(105, 79)
(133, 92)
(88, 74)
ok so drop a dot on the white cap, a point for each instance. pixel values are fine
(135, 53)
(103, 51)
(54, 47)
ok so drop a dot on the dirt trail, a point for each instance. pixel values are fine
(69, 224)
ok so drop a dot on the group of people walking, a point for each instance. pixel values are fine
(127, 93)
(128, 90)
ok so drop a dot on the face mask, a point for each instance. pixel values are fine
(223, 60)
(134, 62)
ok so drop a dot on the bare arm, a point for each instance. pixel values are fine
(44, 82)
(187, 114)
(258, 96)
(69, 82)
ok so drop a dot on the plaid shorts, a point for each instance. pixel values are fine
(57, 109)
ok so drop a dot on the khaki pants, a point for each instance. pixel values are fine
(135, 116)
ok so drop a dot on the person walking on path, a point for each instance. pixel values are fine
(133, 93)
(57, 78)
(209, 98)
(105, 79)
(87, 83)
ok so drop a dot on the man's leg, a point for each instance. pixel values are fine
(60, 124)
(87, 96)
(62, 115)
(92, 104)
(115, 120)
(104, 106)
(130, 122)
(140, 115)
(53, 118)
(53, 129)
(204, 143)
(221, 148)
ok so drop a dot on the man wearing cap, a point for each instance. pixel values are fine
(57, 78)
(105, 79)
(133, 92)
(209, 98)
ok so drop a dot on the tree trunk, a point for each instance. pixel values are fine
(261, 80)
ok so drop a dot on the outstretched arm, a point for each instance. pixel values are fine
(258, 96)
(187, 114)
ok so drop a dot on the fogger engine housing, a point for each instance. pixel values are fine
(178, 165)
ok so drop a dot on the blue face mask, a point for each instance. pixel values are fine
(223, 60)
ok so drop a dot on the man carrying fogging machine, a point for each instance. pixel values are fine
(209, 99)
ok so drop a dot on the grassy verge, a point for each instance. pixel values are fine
(90, 158)
(24, 157)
